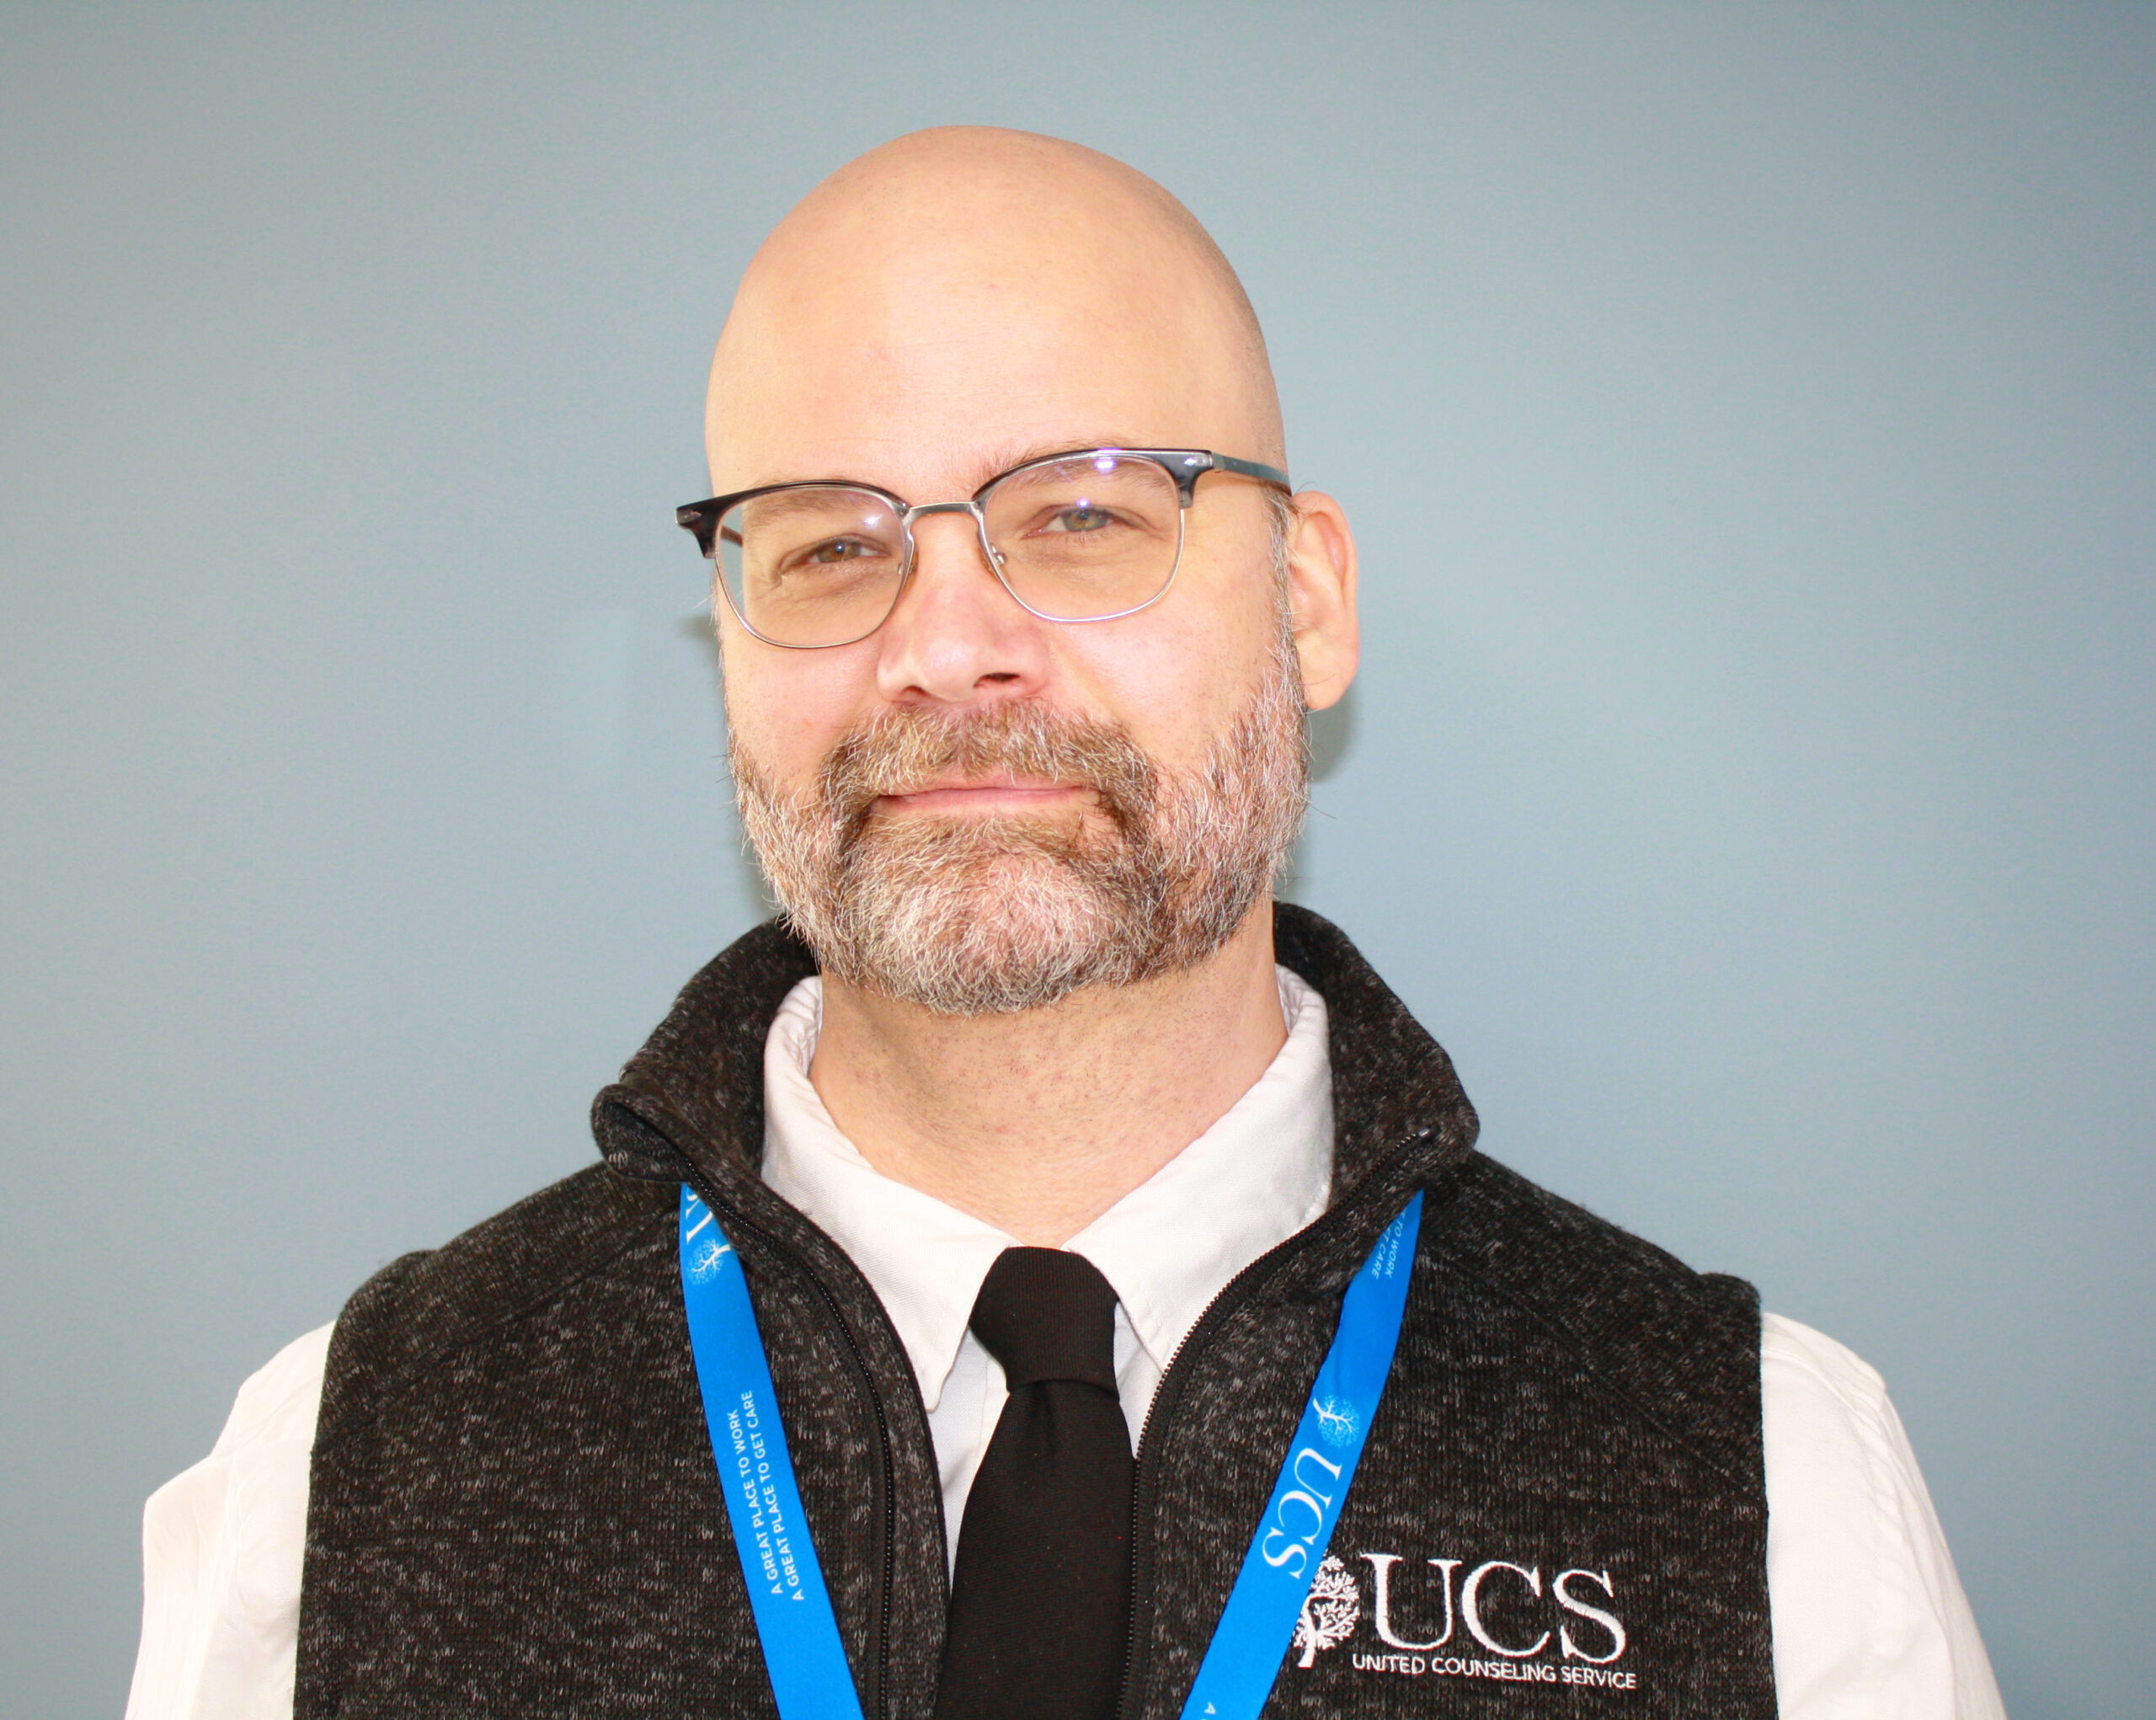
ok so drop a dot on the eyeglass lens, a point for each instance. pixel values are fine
(1080, 540)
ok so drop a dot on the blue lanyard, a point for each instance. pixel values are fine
(1288, 1544)
(792, 1608)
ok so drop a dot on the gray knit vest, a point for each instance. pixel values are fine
(1560, 1510)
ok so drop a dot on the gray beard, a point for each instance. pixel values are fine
(991, 915)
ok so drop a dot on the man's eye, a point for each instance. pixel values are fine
(1081, 518)
(837, 549)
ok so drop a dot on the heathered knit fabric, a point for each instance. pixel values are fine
(515, 1507)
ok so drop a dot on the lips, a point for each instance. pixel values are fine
(977, 795)
(1005, 783)
(1016, 758)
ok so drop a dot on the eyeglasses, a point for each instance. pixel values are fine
(1091, 535)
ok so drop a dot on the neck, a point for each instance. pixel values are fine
(1039, 1122)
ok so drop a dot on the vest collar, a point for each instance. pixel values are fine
(697, 1090)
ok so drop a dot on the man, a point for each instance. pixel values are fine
(1044, 1276)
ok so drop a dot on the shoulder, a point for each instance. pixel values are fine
(522, 1258)
(1832, 1389)
(1682, 1345)
(222, 1552)
(273, 1417)
(270, 1428)
(1868, 1613)
(278, 1401)
(500, 1274)
(1841, 1472)
(1496, 1225)
(1840, 1466)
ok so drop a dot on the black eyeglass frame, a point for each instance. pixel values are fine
(1183, 466)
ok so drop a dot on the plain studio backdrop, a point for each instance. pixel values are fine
(1748, 415)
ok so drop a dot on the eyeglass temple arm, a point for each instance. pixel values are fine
(1250, 468)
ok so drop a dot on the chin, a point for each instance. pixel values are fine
(1008, 928)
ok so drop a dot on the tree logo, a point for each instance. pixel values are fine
(1330, 1611)
(1336, 1420)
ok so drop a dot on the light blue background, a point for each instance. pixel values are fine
(1747, 413)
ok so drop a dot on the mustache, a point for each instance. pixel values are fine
(901, 751)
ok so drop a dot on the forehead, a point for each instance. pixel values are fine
(927, 360)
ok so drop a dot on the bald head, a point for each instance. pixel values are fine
(964, 297)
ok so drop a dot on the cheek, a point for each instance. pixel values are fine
(788, 708)
(1179, 674)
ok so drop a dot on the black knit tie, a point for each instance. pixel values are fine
(1041, 1597)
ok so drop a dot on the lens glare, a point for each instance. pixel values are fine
(1086, 537)
(815, 566)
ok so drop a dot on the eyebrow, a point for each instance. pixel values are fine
(1015, 456)
(786, 502)
(1008, 458)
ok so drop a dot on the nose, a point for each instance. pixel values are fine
(957, 635)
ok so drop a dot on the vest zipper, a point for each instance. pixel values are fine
(1231, 1295)
(711, 1198)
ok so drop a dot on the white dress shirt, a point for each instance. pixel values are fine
(1869, 1616)
(1259, 1175)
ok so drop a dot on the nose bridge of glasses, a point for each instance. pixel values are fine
(971, 508)
(922, 511)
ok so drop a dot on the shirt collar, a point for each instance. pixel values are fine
(1261, 1172)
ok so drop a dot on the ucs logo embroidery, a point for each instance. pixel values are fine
(1330, 1611)
(1507, 1611)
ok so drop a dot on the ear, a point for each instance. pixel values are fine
(1321, 592)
